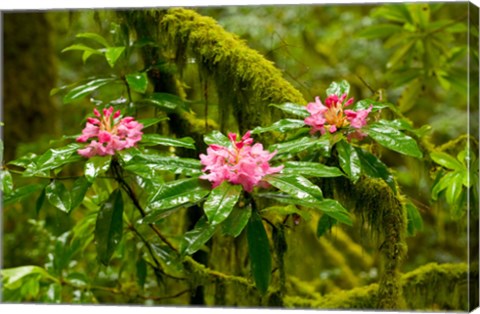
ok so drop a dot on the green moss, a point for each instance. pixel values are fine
(430, 287)
(246, 82)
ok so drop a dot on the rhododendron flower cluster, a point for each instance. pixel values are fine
(110, 133)
(241, 163)
(332, 116)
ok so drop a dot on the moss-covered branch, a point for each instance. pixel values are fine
(244, 79)
(431, 286)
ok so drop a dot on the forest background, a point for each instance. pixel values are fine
(312, 46)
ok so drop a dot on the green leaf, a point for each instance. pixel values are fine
(152, 121)
(311, 169)
(54, 158)
(20, 193)
(338, 88)
(109, 226)
(454, 188)
(447, 161)
(177, 165)
(82, 47)
(12, 278)
(141, 270)
(302, 144)
(375, 168)
(95, 37)
(414, 219)
(79, 189)
(259, 252)
(81, 91)
(112, 54)
(218, 138)
(138, 82)
(379, 31)
(349, 160)
(296, 186)
(58, 196)
(394, 12)
(325, 224)
(221, 201)
(280, 126)
(96, 166)
(335, 210)
(442, 184)
(156, 139)
(376, 105)
(174, 195)
(40, 201)
(410, 95)
(237, 220)
(165, 101)
(194, 239)
(7, 182)
(394, 139)
(293, 109)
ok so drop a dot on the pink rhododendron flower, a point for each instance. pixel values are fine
(109, 133)
(241, 163)
(332, 116)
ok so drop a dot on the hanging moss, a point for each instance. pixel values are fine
(382, 210)
(245, 80)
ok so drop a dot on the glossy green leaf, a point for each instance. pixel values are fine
(194, 239)
(338, 88)
(187, 166)
(109, 226)
(82, 91)
(156, 139)
(165, 101)
(165, 253)
(296, 186)
(7, 182)
(303, 144)
(24, 161)
(414, 219)
(349, 160)
(174, 195)
(220, 202)
(96, 166)
(394, 140)
(335, 210)
(151, 121)
(376, 105)
(21, 192)
(12, 277)
(442, 184)
(217, 138)
(280, 126)
(447, 161)
(95, 37)
(293, 109)
(79, 189)
(58, 196)
(259, 252)
(112, 54)
(82, 47)
(237, 220)
(325, 224)
(311, 169)
(138, 82)
(394, 12)
(54, 158)
(454, 189)
(375, 168)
